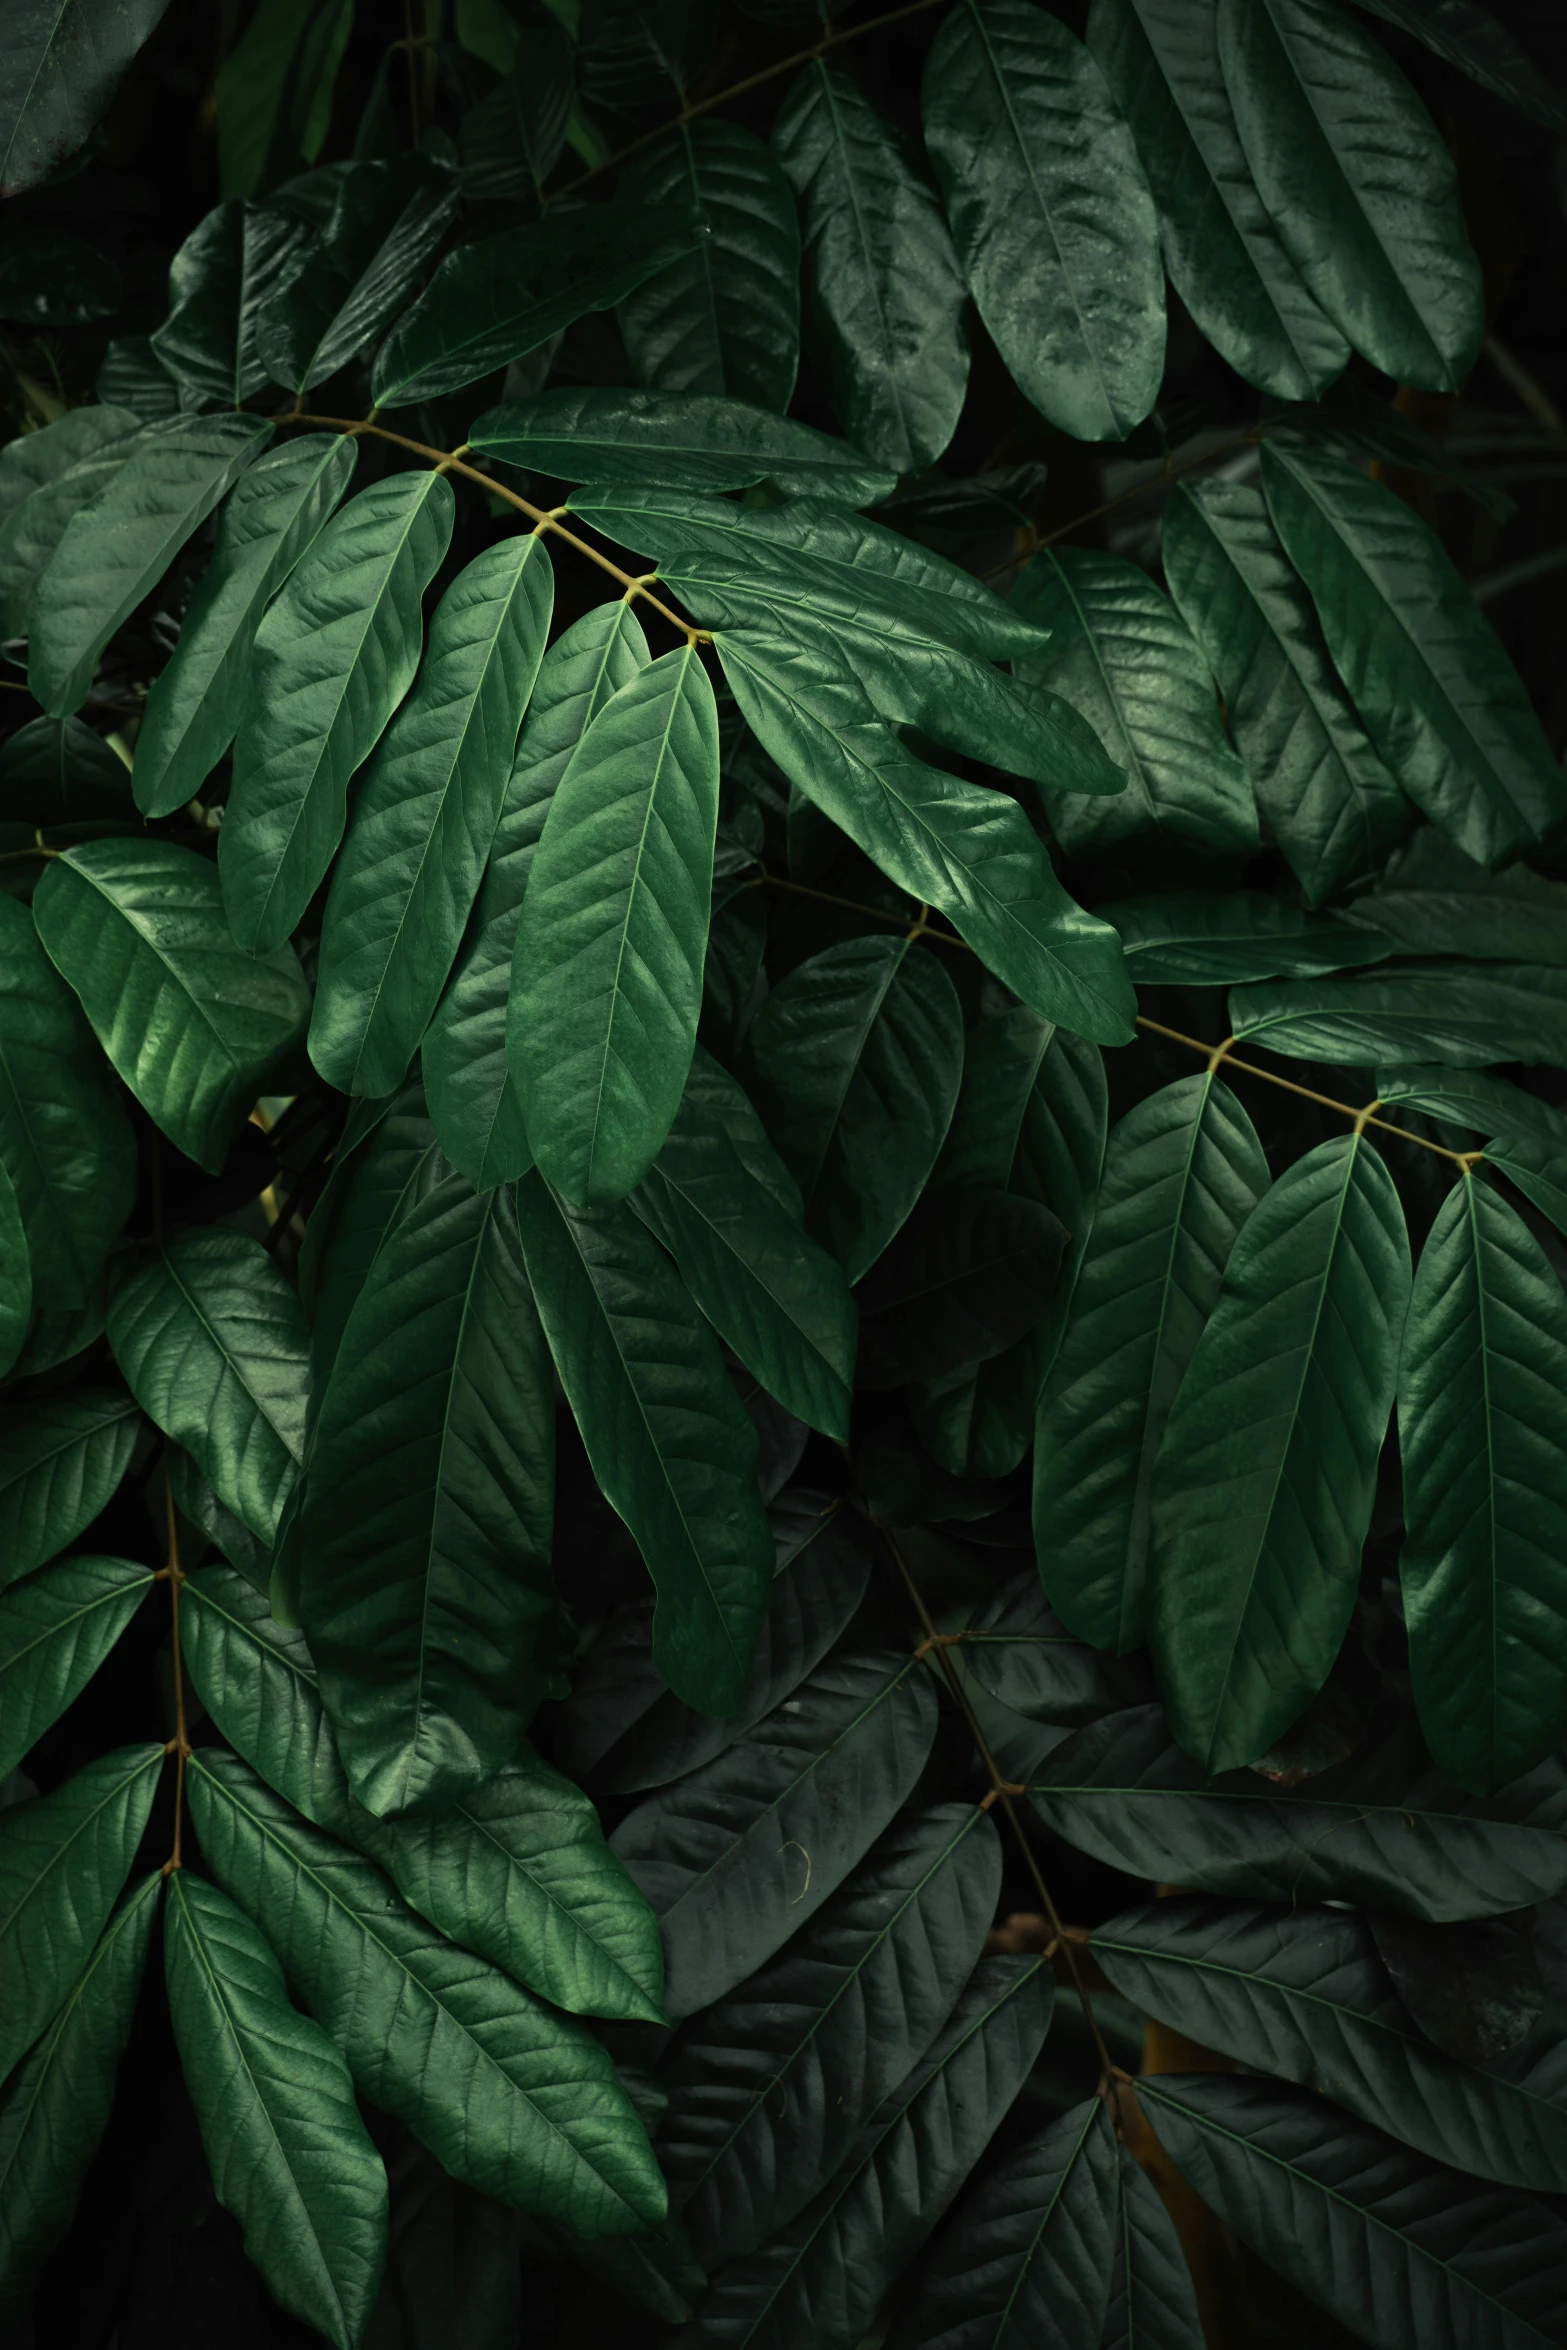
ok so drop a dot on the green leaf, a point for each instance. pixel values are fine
(289, 2154)
(132, 374)
(1355, 2221)
(1152, 2304)
(855, 1059)
(1332, 804)
(427, 1596)
(276, 511)
(1482, 1425)
(55, 1631)
(212, 1344)
(16, 1275)
(371, 1188)
(219, 280)
(62, 1457)
(767, 2086)
(274, 91)
(1488, 1105)
(1304, 1995)
(346, 281)
(726, 318)
(1540, 1172)
(193, 1024)
(57, 2103)
(884, 300)
(972, 1272)
(1182, 1172)
(1358, 184)
(115, 549)
(666, 1436)
(334, 655)
(1432, 899)
(746, 1849)
(57, 771)
(1434, 689)
(633, 52)
(215, 1521)
(822, 2278)
(1223, 253)
(1496, 1012)
(1051, 215)
(520, 2103)
(512, 140)
(424, 818)
(63, 1859)
(1030, 2252)
(64, 60)
(776, 1299)
(607, 971)
(1267, 1468)
(1374, 1831)
(473, 1096)
(1470, 38)
(1198, 938)
(1124, 658)
(690, 439)
(497, 298)
(1018, 1650)
(65, 476)
(516, 1870)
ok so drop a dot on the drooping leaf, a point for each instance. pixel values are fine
(1223, 253)
(192, 1023)
(1488, 1012)
(726, 318)
(55, 1631)
(1471, 1097)
(517, 2101)
(1051, 215)
(63, 64)
(61, 1460)
(883, 297)
(692, 439)
(667, 1438)
(219, 280)
(212, 1344)
(473, 1095)
(1433, 687)
(1431, 898)
(1475, 1990)
(333, 657)
(351, 276)
(427, 1595)
(1194, 938)
(375, 1179)
(289, 2154)
(275, 512)
(607, 971)
(972, 1272)
(739, 1854)
(1183, 1171)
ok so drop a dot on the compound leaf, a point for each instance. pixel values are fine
(55, 1631)
(61, 1461)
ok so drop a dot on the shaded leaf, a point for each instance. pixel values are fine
(219, 280)
(1488, 1105)
(1494, 1012)
(1475, 1989)
(61, 1460)
(1202, 939)
(1540, 1172)
(972, 1271)
(55, 1631)
(66, 475)
(1432, 899)
(57, 771)
(1018, 1649)
(1470, 38)
(346, 281)
(64, 62)
(684, 438)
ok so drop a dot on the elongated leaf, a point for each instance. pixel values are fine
(738, 1855)
(686, 439)
(1488, 1105)
(1469, 37)
(607, 971)
(1125, 659)
(193, 1025)
(856, 1059)
(1183, 1171)
(1019, 1650)
(1482, 1422)
(424, 817)
(16, 1274)
(499, 297)
(884, 300)
(63, 1859)
(516, 1870)
(61, 1460)
(1052, 218)
(345, 283)
(58, 771)
(667, 1439)
(518, 2102)
(57, 2102)
(31, 459)
(1198, 939)
(1432, 896)
(63, 64)
(1331, 802)
(212, 1344)
(822, 2278)
(218, 281)
(289, 2154)
(726, 318)
(334, 655)
(473, 1095)
(1445, 2263)
(1304, 1995)
(768, 2086)
(427, 1595)
(1223, 253)
(118, 546)
(1152, 2304)
(55, 1631)
(1388, 1837)
(273, 94)
(1358, 184)
(371, 1187)
(1489, 1012)
(970, 1274)
(511, 141)
(1540, 1172)
(276, 511)
(1438, 696)
(69, 478)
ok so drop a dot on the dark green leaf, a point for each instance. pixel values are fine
(133, 376)
(288, 2152)
(1152, 2304)
(348, 280)
(195, 1500)
(972, 1271)
(1054, 225)
(1433, 900)
(274, 91)
(1540, 1172)
(684, 439)
(511, 141)
(634, 52)
(372, 1187)
(50, 278)
(16, 1275)
(1476, 1990)
(1487, 1105)
(66, 474)
(1496, 1012)
(55, 1631)
(61, 1460)
(193, 1024)
(1019, 1651)
(1470, 38)
(64, 59)
(219, 280)
(884, 300)
(57, 771)
(1195, 938)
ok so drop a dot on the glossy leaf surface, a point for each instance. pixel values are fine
(61, 1459)
(1488, 1012)
(697, 439)
(55, 1631)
